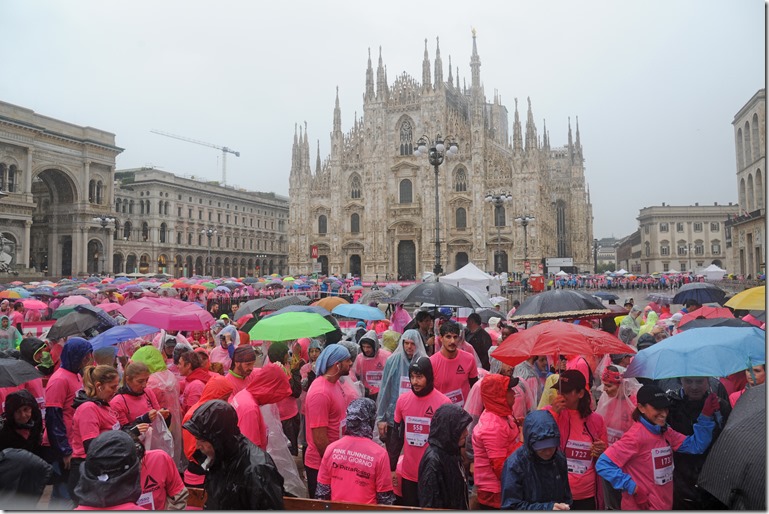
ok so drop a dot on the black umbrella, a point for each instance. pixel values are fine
(735, 469)
(15, 372)
(285, 301)
(714, 322)
(601, 295)
(660, 298)
(300, 308)
(104, 319)
(380, 296)
(250, 307)
(559, 303)
(436, 293)
(759, 315)
(73, 323)
(703, 292)
(487, 314)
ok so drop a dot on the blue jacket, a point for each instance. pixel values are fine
(528, 482)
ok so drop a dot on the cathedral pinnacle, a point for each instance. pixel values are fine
(426, 82)
(517, 137)
(438, 65)
(381, 79)
(531, 129)
(337, 114)
(369, 79)
(317, 160)
(475, 65)
(450, 79)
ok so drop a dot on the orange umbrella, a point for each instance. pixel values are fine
(330, 302)
(9, 294)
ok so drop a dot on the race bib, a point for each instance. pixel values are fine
(614, 434)
(116, 426)
(374, 378)
(405, 386)
(456, 397)
(417, 430)
(662, 459)
(578, 458)
(146, 501)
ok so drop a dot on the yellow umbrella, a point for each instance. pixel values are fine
(753, 299)
(329, 302)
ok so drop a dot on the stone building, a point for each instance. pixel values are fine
(746, 240)
(163, 221)
(369, 207)
(682, 237)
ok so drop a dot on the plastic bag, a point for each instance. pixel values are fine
(277, 447)
(158, 437)
(166, 389)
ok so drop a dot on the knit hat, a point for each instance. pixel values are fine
(244, 354)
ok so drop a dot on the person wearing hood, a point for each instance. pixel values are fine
(400, 318)
(243, 364)
(134, 402)
(60, 392)
(195, 376)
(269, 385)
(395, 380)
(241, 476)
(455, 370)
(162, 486)
(218, 388)
(33, 351)
(355, 469)
(93, 415)
(22, 423)
(494, 438)
(111, 474)
(442, 479)
(630, 325)
(9, 335)
(325, 408)
(370, 363)
(641, 463)
(288, 407)
(226, 342)
(23, 478)
(414, 412)
(534, 477)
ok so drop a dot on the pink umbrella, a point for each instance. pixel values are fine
(76, 300)
(32, 304)
(169, 318)
(108, 306)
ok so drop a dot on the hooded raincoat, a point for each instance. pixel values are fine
(395, 377)
(442, 480)
(269, 385)
(23, 477)
(528, 481)
(369, 370)
(110, 477)
(25, 437)
(242, 476)
(9, 336)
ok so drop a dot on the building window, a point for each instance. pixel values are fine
(679, 227)
(355, 187)
(355, 223)
(163, 230)
(681, 250)
(647, 249)
(682, 266)
(189, 213)
(698, 226)
(322, 224)
(664, 227)
(178, 238)
(179, 211)
(664, 250)
(715, 248)
(460, 180)
(665, 266)
(461, 218)
(715, 226)
(405, 191)
(699, 249)
(499, 216)
(145, 231)
(127, 230)
(407, 136)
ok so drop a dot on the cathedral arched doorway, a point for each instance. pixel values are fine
(95, 254)
(54, 229)
(199, 266)
(500, 261)
(323, 260)
(144, 263)
(130, 265)
(407, 260)
(460, 260)
(117, 263)
(355, 265)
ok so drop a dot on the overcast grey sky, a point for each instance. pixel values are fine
(656, 84)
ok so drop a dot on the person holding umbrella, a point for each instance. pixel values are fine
(640, 464)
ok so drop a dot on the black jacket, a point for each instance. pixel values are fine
(528, 482)
(242, 476)
(442, 480)
(9, 436)
(23, 477)
(111, 473)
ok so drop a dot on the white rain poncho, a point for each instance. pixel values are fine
(395, 377)
(617, 411)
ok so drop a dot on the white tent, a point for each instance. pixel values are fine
(713, 273)
(622, 271)
(470, 278)
(561, 274)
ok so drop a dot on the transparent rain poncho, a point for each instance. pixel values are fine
(395, 377)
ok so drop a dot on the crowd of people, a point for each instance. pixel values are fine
(412, 411)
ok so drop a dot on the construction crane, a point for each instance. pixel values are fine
(224, 150)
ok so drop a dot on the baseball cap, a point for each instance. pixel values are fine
(224, 316)
(654, 396)
(570, 380)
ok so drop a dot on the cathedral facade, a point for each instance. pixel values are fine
(369, 207)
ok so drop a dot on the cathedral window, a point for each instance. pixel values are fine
(461, 218)
(355, 223)
(560, 227)
(12, 178)
(460, 180)
(99, 192)
(355, 187)
(499, 215)
(163, 230)
(127, 230)
(407, 136)
(3, 171)
(406, 195)
(322, 224)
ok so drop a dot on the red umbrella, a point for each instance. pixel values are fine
(707, 313)
(557, 338)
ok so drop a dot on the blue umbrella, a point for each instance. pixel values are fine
(300, 308)
(121, 333)
(701, 352)
(358, 311)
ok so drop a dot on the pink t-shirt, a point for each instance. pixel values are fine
(357, 469)
(238, 384)
(648, 459)
(369, 370)
(250, 420)
(122, 506)
(192, 393)
(288, 408)
(90, 420)
(60, 392)
(220, 354)
(128, 407)
(735, 396)
(494, 437)
(418, 413)
(36, 389)
(452, 376)
(159, 478)
(17, 319)
(326, 408)
(575, 444)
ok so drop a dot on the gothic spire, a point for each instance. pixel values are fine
(545, 136)
(369, 79)
(426, 82)
(317, 160)
(381, 80)
(457, 78)
(451, 78)
(337, 113)
(517, 137)
(475, 65)
(294, 152)
(571, 143)
(438, 65)
(306, 152)
(531, 129)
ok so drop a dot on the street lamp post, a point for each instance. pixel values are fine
(595, 256)
(104, 221)
(209, 233)
(436, 153)
(524, 221)
(498, 200)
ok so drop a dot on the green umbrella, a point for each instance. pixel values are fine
(290, 325)
(208, 285)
